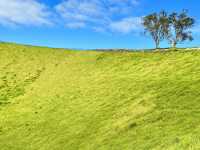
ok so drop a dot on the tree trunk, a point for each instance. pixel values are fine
(174, 44)
(157, 44)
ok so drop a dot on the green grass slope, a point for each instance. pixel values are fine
(54, 99)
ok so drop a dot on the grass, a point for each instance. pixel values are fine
(69, 100)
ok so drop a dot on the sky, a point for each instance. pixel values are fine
(87, 24)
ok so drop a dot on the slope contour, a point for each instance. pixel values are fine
(68, 100)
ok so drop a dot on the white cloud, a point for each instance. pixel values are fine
(75, 25)
(122, 6)
(127, 25)
(100, 15)
(78, 10)
(23, 12)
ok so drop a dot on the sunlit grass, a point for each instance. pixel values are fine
(88, 100)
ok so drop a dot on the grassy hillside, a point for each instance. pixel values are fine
(85, 100)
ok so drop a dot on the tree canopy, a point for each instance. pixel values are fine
(173, 27)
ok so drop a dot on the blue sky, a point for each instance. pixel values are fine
(87, 24)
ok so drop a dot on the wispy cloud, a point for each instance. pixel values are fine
(75, 25)
(127, 25)
(23, 12)
(100, 15)
(97, 15)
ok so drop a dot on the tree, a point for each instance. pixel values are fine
(179, 28)
(157, 25)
